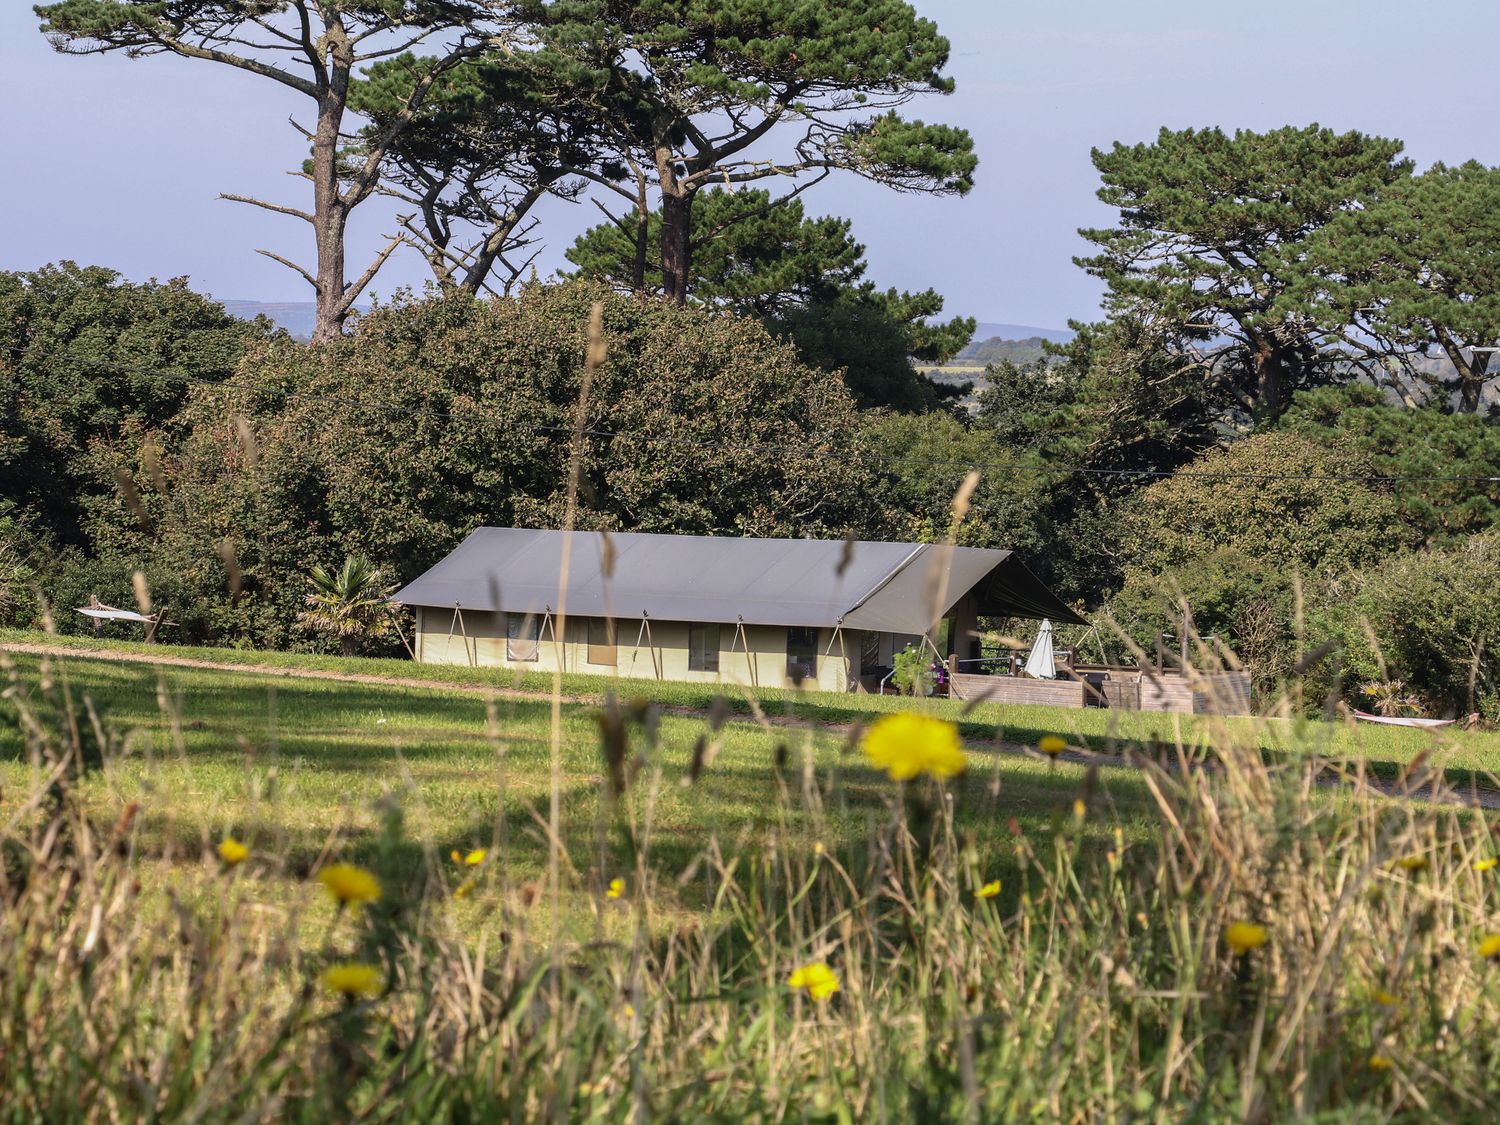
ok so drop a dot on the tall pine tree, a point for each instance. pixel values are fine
(1212, 234)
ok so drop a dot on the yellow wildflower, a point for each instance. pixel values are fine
(349, 884)
(907, 745)
(1485, 864)
(1489, 947)
(1379, 1062)
(817, 979)
(1051, 745)
(989, 890)
(1246, 936)
(1383, 998)
(616, 888)
(351, 978)
(232, 852)
(456, 856)
(475, 858)
(1412, 863)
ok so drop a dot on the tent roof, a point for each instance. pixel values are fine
(885, 587)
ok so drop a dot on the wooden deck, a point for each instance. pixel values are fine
(1129, 689)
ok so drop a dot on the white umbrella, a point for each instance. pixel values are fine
(1040, 663)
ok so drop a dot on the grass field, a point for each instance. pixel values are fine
(1467, 756)
(296, 769)
(1025, 940)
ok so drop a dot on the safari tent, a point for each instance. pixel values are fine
(761, 612)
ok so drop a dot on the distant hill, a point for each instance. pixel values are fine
(1020, 332)
(982, 353)
(297, 317)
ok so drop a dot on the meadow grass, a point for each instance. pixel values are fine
(297, 768)
(1223, 938)
(1467, 756)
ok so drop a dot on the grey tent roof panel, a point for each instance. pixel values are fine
(886, 587)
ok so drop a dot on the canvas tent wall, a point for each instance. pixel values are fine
(654, 587)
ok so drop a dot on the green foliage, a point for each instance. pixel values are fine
(491, 139)
(442, 415)
(352, 604)
(86, 358)
(1418, 267)
(872, 336)
(751, 253)
(804, 279)
(1281, 497)
(1246, 601)
(1435, 617)
(699, 94)
(910, 672)
(919, 462)
(1213, 232)
(1114, 410)
(1395, 441)
(1232, 533)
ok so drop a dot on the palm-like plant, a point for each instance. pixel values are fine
(353, 604)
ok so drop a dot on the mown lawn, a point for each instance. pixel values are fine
(1467, 756)
(298, 768)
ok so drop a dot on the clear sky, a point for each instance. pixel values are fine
(119, 162)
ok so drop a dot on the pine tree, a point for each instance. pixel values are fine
(1212, 234)
(1419, 268)
(313, 49)
(697, 93)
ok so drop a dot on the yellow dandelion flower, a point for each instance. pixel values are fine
(1051, 745)
(615, 889)
(989, 890)
(349, 885)
(1489, 946)
(816, 979)
(464, 889)
(1412, 863)
(232, 852)
(456, 856)
(1383, 998)
(352, 978)
(475, 858)
(1243, 937)
(907, 745)
(1485, 864)
(1380, 1062)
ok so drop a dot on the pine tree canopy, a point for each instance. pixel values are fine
(1213, 230)
(1418, 268)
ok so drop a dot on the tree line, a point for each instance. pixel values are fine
(1294, 322)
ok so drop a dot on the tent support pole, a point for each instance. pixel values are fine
(471, 657)
(651, 645)
(636, 651)
(556, 644)
(750, 663)
(400, 632)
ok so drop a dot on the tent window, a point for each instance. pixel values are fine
(801, 653)
(869, 652)
(703, 648)
(602, 648)
(522, 636)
